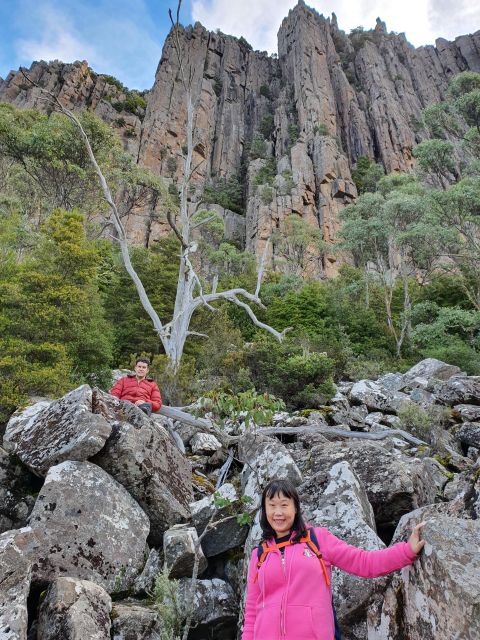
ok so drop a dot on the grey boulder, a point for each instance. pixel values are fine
(74, 609)
(428, 369)
(267, 458)
(395, 484)
(438, 597)
(135, 621)
(16, 548)
(141, 456)
(459, 390)
(64, 430)
(179, 551)
(89, 527)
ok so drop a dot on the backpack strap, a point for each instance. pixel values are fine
(311, 541)
(262, 551)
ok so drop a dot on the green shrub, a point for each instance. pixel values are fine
(302, 379)
(267, 126)
(249, 406)
(321, 129)
(167, 602)
(293, 133)
(424, 423)
(172, 164)
(178, 388)
(266, 175)
(265, 91)
(258, 147)
(226, 193)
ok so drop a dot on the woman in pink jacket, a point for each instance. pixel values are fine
(288, 592)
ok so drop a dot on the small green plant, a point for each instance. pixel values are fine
(113, 81)
(267, 126)
(234, 507)
(265, 91)
(167, 602)
(267, 173)
(258, 147)
(321, 129)
(248, 406)
(421, 422)
(245, 43)
(293, 132)
(172, 164)
(266, 194)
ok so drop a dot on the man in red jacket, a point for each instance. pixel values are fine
(139, 389)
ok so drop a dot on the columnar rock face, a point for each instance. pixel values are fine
(325, 101)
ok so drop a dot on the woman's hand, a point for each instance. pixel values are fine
(414, 541)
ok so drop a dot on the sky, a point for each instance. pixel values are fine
(124, 38)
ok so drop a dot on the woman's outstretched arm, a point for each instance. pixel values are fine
(370, 564)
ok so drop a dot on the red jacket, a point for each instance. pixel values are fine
(146, 390)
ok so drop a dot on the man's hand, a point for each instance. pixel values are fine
(414, 541)
(139, 402)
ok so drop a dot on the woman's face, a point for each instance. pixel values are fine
(280, 512)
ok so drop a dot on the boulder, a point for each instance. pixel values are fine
(17, 485)
(395, 484)
(428, 369)
(337, 500)
(141, 456)
(16, 548)
(203, 510)
(215, 609)
(179, 551)
(438, 597)
(466, 412)
(135, 621)
(267, 458)
(204, 443)
(469, 434)
(64, 430)
(20, 422)
(459, 390)
(377, 398)
(227, 534)
(89, 528)
(145, 583)
(74, 609)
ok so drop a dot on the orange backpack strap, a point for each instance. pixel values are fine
(264, 549)
(313, 545)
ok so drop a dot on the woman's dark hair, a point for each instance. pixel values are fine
(273, 488)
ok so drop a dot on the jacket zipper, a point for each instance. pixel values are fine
(282, 625)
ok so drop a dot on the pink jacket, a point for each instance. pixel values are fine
(293, 602)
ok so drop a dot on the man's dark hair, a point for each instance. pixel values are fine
(145, 360)
(273, 488)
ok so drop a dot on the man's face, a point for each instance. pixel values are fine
(141, 369)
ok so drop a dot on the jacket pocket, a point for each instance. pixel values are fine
(267, 623)
(299, 623)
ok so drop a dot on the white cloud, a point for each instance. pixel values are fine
(107, 34)
(421, 20)
(57, 41)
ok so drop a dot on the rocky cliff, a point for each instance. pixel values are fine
(288, 129)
